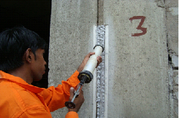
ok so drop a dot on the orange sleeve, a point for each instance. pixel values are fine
(35, 112)
(55, 98)
(71, 114)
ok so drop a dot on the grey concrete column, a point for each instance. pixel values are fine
(71, 39)
(137, 80)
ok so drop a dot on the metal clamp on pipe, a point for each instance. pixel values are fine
(86, 75)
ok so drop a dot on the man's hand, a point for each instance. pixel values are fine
(78, 100)
(99, 59)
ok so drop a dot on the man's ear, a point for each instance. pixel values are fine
(28, 55)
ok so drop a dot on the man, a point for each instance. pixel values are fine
(21, 63)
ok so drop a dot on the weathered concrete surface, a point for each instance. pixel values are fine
(172, 38)
(171, 3)
(137, 80)
(71, 38)
(172, 28)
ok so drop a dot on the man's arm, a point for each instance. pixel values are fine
(56, 97)
(72, 113)
(34, 112)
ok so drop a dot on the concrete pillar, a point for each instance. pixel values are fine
(71, 39)
(135, 72)
(137, 80)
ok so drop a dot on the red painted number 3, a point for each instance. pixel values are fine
(144, 30)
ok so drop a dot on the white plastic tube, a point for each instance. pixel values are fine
(92, 62)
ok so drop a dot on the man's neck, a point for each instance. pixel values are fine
(22, 73)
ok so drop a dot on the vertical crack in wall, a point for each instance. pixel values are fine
(100, 75)
(100, 9)
(98, 12)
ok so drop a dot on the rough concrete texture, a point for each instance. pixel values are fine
(171, 3)
(173, 90)
(172, 28)
(138, 84)
(174, 61)
(171, 7)
(71, 39)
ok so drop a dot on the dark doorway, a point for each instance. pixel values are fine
(32, 14)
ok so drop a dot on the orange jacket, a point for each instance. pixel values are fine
(18, 99)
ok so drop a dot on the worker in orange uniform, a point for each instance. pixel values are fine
(21, 63)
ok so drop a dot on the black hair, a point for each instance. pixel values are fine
(13, 44)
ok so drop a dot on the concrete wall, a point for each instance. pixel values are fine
(137, 64)
(137, 74)
(71, 36)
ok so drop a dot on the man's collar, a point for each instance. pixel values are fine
(20, 82)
